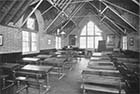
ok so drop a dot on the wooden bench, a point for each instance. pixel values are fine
(103, 72)
(103, 89)
(103, 80)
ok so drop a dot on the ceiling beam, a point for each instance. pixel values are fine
(38, 4)
(135, 1)
(102, 19)
(23, 9)
(120, 16)
(14, 12)
(62, 12)
(112, 29)
(104, 10)
(84, 16)
(121, 8)
(47, 10)
(35, 1)
(73, 15)
(6, 12)
(94, 6)
(64, 4)
(115, 24)
(84, 1)
(57, 16)
(2, 3)
(103, 16)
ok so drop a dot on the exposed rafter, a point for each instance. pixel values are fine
(81, 1)
(2, 3)
(58, 15)
(114, 24)
(106, 16)
(102, 19)
(13, 14)
(135, 1)
(62, 12)
(120, 16)
(32, 12)
(84, 16)
(93, 6)
(104, 10)
(9, 8)
(112, 29)
(73, 15)
(121, 8)
(23, 9)
(47, 10)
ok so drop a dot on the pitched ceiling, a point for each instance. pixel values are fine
(67, 14)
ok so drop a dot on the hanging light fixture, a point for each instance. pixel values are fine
(62, 33)
(58, 31)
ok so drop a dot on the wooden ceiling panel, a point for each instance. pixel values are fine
(51, 14)
(21, 11)
(118, 20)
(13, 12)
(58, 22)
(114, 27)
(44, 6)
(98, 4)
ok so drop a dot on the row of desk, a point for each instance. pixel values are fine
(102, 76)
(35, 71)
(129, 68)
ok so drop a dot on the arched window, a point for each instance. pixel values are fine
(90, 36)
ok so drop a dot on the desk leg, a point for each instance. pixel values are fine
(38, 84)
(47, 87)
(61, 72)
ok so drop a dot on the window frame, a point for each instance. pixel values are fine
(88, 36)
(30, 42)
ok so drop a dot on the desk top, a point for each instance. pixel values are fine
(101, 70)
(99, 58)
(43, 56)
(127, 59)
(37, 68)
(9, 65)
(100, 62)
(61, 56)
(55, 60)
(102, 67)
(97, 54)
(30, 59)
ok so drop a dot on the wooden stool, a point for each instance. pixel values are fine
(4, 79)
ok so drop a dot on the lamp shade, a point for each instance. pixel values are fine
(63, 33)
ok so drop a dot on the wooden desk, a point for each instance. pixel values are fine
(33, 60)
(10, 66)
(43, 56)
(102, 80)
(102, 67)
(103, 72)
(61, 56)
(55, 61)
(39, 69)
(58, 63)
(99, 58)
(127, 59)
(30, 59)
(101, 62)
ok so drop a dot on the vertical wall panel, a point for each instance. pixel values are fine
(11, 40)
